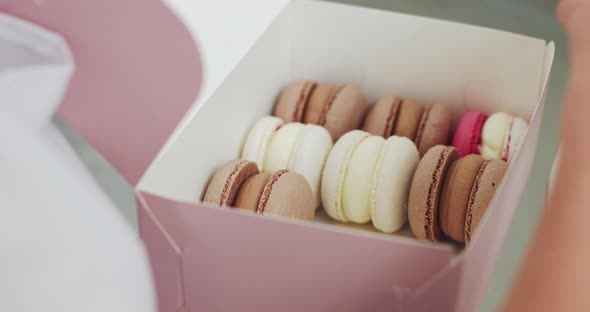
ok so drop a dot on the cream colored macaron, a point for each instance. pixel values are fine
(358, 179)
(258, 138)
(335, 172)
(391, 183)
(501, 136)
(308, 156)
(368, 178)
(280, 146)
(302, 149)
(493, 134)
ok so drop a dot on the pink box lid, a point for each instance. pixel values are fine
(122, 56)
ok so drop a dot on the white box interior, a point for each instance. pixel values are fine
(459, 65)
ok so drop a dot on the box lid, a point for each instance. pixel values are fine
(126, 54)
(125, 65)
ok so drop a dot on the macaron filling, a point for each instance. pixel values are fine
(422, 125)
(303, 100)
(223, 199)
(506, 151)
(472, 197)
(268, 189)
(432, 197)
(324, 114)
(392, 118)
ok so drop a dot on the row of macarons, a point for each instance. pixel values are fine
(344, 108)
(362, 178)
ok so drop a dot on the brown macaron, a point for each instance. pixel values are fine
(408, 120)
(251, 191)
(383, 116)
(318, 101)
(293, 101)
(392, 115)
(484, 187)
(434, 128)
(426, 189)
(282, 193)
(338, 109)
(227, 181)
(456, 194)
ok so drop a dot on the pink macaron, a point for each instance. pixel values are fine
(467, 139)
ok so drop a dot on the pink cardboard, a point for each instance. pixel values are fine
(126, 53)
(227, 266)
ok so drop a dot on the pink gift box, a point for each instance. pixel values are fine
(137, 76)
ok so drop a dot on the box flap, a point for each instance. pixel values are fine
(337, 258)
(481, 256)
(226, 30)
(121, 98)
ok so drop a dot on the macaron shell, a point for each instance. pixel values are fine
(250, 192)
(280, 147)
(289, 196)
(455, 195)
(425, 191)
(493, 135)
(517, 134)
(258, 138)
(319, 98)
(346, 112)
(434, 128)
(468, 133)
(227, 181)
(484, 188)
(291, 103)
(381, 116)
(391, 183)
(358, 183)
(408, 120)
(335, 171)
(309, 155)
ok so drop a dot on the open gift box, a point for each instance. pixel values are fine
(210, 259)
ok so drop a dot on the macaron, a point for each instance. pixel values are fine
(467, 138)
(335, 171)
(302, 149)
(434, 128)
(239, 184)
(502, 135)
(338, 109)
(391, 183)
(408, 120)
(358, 180)
(282, 193)
(392, 115)
(426, 190)
(484, 187)
(382, 117)
(367, 178)
(293, 100)
(227, 181)
(456, 194)
(280, 147)
(257, 140)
